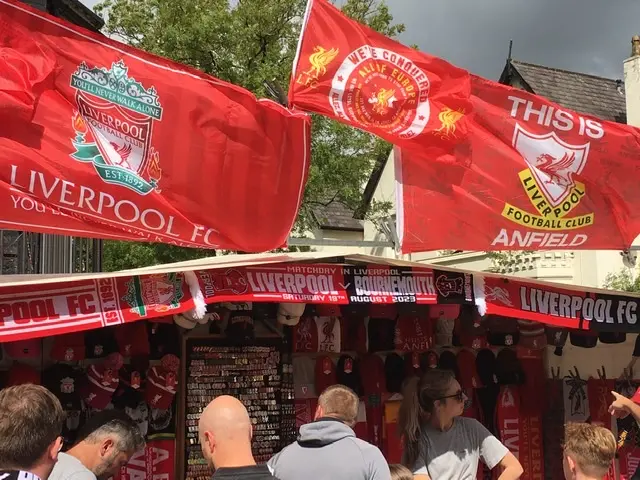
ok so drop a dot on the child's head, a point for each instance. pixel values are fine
(400, 472)
(588, 450)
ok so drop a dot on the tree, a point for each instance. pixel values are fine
(626, 280)
(248, 42)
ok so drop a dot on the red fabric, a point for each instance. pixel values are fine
(353, 74)
(102, 383)
(325, 374)
(413, 334)
(599, 396)
(375, 419)
(20, 374)
(71, 347)
(305, 410)
(133, 339)
(508, 422)
(373, 376)
(629, 461)
(24, 349)
(155, 461)
(467, 370)
(190, 160)
(361, 428)
(160, 388)
(305, 335)
(565, 180)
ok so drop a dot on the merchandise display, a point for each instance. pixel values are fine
(260, 374)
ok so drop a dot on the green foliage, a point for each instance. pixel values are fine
(624, 280)
(246, 42)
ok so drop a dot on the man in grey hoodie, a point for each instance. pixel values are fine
(327, 448)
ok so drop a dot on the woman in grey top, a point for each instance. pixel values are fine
(438, 443)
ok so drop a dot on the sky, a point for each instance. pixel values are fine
(588, 36)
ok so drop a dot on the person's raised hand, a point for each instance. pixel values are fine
(620, 406)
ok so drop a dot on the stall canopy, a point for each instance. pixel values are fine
(33, 306)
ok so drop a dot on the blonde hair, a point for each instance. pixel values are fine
(340, 402)
(591, 447)
(400, 472)
(419, 397)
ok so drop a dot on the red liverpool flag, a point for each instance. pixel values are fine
(101, 140)
(529, 175)
(351, 73)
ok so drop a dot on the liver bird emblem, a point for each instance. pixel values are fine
(557, 170)
(448, 119)
(383, 100)
(123, 152)
(319, 61)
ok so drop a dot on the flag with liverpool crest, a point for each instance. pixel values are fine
(102, 140)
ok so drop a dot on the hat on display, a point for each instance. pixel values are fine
(131, 386)
(373, 380)
(381, 334)
(556, 337)
(64, 382)
(68, 348)
(583, 338)
(24, 349)
(325, 373)
(164, 338)
(103, 379)
(448, 361)
(612, 338)
(348, 373)
(100, 342)
(508, 368)
(502, 331)
(429, 360)
(132, 339)
(185, 321)
(240, 326)
(290, 313)
(394, 372)
(19, 374)
(162, 381)
(486, 367)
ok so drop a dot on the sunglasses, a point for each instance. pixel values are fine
(459, 396)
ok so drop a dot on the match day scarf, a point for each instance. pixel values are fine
(531, 413)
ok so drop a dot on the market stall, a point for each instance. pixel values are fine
(276, 329)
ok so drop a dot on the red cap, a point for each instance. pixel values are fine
(161, 387)
(24, 348)
(325, 373)
(19, 374)
(132, 339)
(69, 347)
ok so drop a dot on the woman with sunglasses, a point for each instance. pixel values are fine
(438, 442)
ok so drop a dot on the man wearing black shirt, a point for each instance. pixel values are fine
(225, 435)
(30, 432)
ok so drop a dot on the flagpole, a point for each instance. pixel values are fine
(307, 14)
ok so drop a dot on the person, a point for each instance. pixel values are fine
(438, 443)
(225, 433)
(105, 443)
(589, 451)
(400, 472)
(328, 446)
(621, 407)
(31, 420)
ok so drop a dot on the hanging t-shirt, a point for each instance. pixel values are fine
(455, 454)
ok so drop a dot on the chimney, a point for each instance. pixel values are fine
(632, 83)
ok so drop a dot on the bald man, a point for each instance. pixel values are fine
(225, 436)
